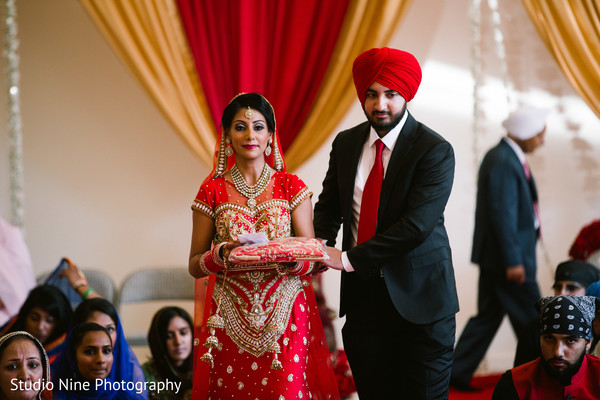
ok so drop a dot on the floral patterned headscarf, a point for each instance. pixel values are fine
(45, 393)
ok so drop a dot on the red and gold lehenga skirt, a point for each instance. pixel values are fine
(243, 367)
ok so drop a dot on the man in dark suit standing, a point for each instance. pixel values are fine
(507, 227)
(388, 183)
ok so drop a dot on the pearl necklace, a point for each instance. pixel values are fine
(251, 191)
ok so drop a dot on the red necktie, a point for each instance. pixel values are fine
(367, 222)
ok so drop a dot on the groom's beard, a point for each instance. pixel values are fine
(386, 126)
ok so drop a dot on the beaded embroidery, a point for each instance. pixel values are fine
(203, 267)
(248, 312)
(253, 302)
(251, 191)
(204, 208)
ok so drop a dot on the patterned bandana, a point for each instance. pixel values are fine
(567, 315)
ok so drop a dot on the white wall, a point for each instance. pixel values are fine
(109, 184)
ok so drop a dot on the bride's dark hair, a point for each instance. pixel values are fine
(245, 100)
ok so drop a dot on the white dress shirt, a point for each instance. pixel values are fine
(365, 164)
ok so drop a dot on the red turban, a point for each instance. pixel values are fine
(394, 69)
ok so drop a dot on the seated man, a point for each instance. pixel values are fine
(564, 370)
(571, 278)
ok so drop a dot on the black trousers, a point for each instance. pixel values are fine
(496, 298)
(392, 358)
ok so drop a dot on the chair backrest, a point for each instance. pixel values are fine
(173, 283)
(102, 283)
(99, 280)
(163, 285)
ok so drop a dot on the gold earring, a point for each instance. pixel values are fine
(228, 149)
(268, 149)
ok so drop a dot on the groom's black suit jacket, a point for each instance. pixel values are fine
(410, 248)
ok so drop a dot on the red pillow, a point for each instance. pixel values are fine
(288, 249)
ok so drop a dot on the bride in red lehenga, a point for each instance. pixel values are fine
(258, 334)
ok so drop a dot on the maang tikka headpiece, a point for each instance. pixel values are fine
(249, 113)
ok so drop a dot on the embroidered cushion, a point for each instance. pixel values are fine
(290, 249)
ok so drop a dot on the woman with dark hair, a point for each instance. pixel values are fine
(170, 340)
(100, 311)
(264, 321)
(46, 314)
(24, 368)
(126, 366)
(83, 370)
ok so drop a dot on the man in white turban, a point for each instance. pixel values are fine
(507, 227)
(527, 127)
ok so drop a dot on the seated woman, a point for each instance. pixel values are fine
(46, 314)
(83, 369)
(170, 340)
(126, 366)
(24, 368)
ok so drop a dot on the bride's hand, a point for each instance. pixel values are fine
(227, 247)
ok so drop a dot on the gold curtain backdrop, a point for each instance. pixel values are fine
(571, 31)
(149, 37)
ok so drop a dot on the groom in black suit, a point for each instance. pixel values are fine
(387, 185)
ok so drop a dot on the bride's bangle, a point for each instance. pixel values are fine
(217, 254)
(299, 268)
(210, 262)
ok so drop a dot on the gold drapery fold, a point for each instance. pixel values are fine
(149, 37)
(367, 24)
(571, 31)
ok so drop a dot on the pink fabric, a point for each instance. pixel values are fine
(393, 68)
(16, 271)
(369, 206)
(527, 172)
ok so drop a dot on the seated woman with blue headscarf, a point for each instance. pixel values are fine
(125, 366)
(84, 367)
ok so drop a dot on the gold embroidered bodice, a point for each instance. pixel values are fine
(255, 305)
